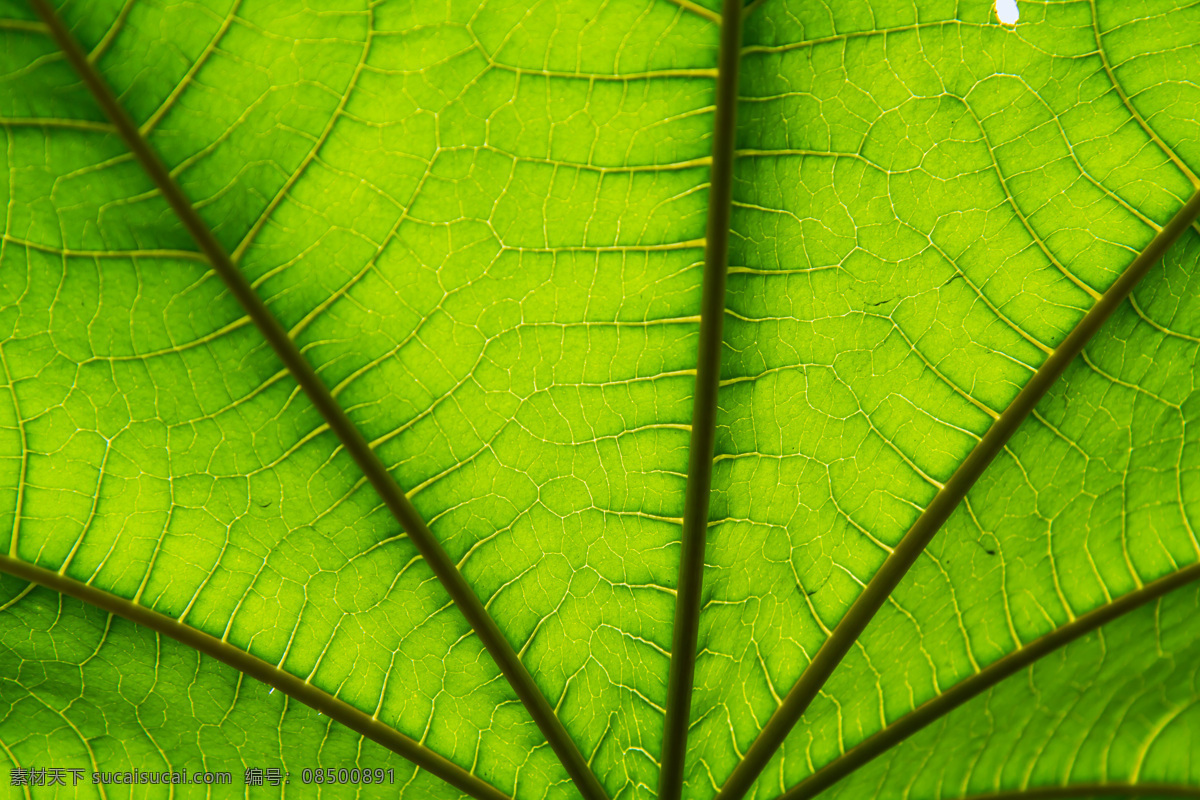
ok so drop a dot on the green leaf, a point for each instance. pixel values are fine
(1107, 711)
(87, 690)
(450, 517)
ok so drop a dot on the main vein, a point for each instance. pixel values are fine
(704, 410)
(893, 569)
(268, 673)
(335, 416)
(943, 704)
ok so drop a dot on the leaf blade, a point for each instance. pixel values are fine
(841, 328)
(337, 419)
(901, 559)
(964, 691)
(256, 668)
(1108, 715)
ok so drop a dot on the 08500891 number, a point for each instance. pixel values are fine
(343, 775)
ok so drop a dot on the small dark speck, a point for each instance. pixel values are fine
(811, 592)
(264, 504)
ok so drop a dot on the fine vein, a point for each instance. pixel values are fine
(880, 587)
(704, 411)
(983, 680)
(335, 416)
(255, 667)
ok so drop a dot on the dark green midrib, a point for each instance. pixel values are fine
(880, 587)
(985, 679)
(337, 419)
(268, 673)
(690, 586)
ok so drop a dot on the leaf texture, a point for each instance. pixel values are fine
(87, 690)
(1108, 711)
(851, 461)
(483, 224)
(532, 413)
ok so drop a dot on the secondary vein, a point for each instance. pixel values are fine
(704, 411)
(335, 416)
(989, 676)
(255, 667)
(897, 564)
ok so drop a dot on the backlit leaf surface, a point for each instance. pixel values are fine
(483, 223)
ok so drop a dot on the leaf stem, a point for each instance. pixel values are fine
(690, 585)
(880, 587)
(256, 668)
(339, 422)
(989, 676)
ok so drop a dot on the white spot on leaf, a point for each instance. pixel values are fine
(1007, 11)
